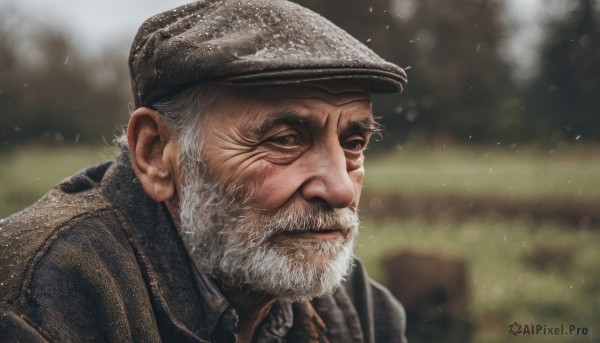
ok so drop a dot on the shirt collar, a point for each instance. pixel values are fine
(219, 315)
(212, 300)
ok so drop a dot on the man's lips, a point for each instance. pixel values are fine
(315, 234)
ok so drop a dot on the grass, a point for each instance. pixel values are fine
(505, 287)
(30, 172)
(573, 172)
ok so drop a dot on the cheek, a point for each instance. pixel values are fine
(274, 185)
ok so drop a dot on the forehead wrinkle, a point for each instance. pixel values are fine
(236, 118)
(287, 110)
(311, 119)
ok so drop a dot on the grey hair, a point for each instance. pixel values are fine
(185, 113)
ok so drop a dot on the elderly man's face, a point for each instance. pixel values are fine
(292, 146)
(276, 207)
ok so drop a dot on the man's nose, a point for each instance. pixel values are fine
(329, 181)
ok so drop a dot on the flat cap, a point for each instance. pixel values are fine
(249, 42)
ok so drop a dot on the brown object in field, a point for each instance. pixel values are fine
(434, 291)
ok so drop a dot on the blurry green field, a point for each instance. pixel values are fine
(30, 172)
(504, 287)
(567, 171)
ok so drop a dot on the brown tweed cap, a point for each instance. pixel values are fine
(249, 42)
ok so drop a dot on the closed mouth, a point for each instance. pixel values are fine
(324, 234)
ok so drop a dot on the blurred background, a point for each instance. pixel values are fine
(481, 205)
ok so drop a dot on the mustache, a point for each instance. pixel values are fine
(234, 204)
(309, 218)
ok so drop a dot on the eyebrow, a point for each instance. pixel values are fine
(368, 124)
(294, 119)
(289, 118)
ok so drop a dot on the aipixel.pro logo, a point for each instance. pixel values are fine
(515, 328)
(543, 329)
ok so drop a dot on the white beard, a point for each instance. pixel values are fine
(235, 243)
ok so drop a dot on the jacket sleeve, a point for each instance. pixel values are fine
(86, 287)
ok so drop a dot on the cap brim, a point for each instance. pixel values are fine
(376, 81)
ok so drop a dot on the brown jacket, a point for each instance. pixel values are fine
(96, 260)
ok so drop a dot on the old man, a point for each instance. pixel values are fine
(231, 213)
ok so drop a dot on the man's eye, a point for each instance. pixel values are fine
(354, 145)
(289, 140)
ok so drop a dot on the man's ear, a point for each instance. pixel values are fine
(154, 154)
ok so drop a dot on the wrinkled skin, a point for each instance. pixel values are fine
(291, 146)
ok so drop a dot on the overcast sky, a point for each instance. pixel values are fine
(94, 24)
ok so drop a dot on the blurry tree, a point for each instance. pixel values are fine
(564, 98)
(459, 86)
(50, 92)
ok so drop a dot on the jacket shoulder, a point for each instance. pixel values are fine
(70, 269)
(26, 236)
